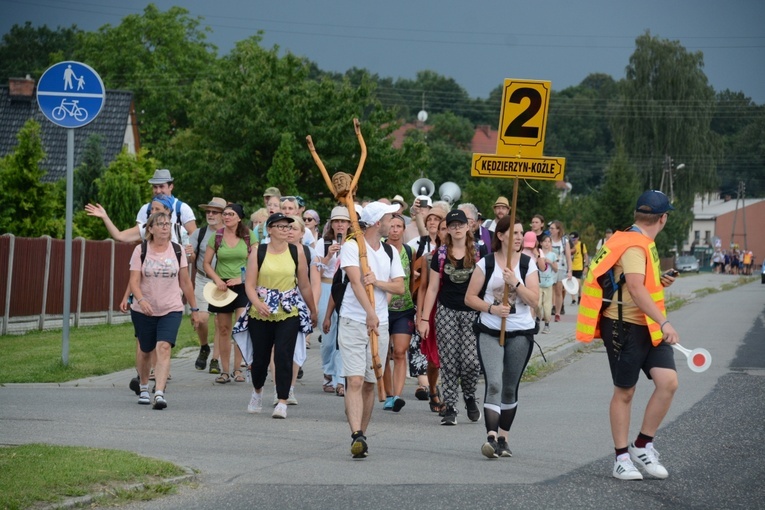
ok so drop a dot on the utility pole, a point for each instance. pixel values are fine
(740, 195)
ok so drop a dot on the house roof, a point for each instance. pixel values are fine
(709, 210)
(111, 124)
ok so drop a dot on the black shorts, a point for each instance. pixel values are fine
(240, 301)
(577, 274)
(635, 353)
(401, 322)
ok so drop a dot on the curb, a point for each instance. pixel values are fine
(89, 499)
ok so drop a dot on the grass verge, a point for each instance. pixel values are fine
(35, 357)
(38, 473)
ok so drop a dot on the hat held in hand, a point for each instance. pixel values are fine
(217, 297)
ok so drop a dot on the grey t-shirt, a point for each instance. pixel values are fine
(200, 246)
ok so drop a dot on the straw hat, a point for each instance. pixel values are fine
(217, 297)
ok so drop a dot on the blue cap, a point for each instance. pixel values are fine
(653, 202)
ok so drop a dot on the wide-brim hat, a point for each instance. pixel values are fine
(502, 201)
(161, 176)
(340, 213)
(217, 297)
(398, 199)
(217, 203)
(571, 285)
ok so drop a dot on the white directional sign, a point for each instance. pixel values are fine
(70, 94)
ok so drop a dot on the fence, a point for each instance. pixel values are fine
(32, 282)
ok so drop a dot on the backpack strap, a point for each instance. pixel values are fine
(218, 239)
(307, 252)
(489, 261)
(202, 232)
(408, 250)
(262, 250)
(421, 245)
(388, 250)
(524, 264)
(176, 248)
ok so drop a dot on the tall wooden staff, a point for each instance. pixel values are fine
(511, 232)
(343, 187)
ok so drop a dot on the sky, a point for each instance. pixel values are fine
(478, 43)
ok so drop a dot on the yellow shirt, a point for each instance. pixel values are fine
(631, 262)
(577, 256)
(277, 272)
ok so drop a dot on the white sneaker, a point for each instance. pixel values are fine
(280, 411)
(648, 459)
(256, 403)
(624, 469)
(291, 400)
(144, 398)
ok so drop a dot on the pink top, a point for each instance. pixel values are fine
(159, 279)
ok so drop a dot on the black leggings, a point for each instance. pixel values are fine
(281, 337)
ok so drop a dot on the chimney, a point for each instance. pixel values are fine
(21, 88)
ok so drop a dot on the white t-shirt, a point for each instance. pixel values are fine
(415, 244)
(333, 262)
(521, 319)
(383, 268)
(187, 215)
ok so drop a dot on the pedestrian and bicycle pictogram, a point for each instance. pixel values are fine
(70, 94)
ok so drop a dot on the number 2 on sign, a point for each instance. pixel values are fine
(516, 128)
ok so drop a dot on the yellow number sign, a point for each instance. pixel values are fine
(523, 119)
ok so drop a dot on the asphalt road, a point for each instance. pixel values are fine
(712, 440)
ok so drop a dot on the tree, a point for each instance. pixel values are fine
(283, 173)
(665, 110)
(158, 55)
(28, 206)
(122, 190)
(86, 175)
(28, 50)
(617, 196)
(251, 98)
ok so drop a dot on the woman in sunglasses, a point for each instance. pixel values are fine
(156, 272)
(231, 246)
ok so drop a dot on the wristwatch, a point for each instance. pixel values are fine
(195, 309)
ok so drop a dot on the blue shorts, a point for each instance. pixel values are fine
(163, 328)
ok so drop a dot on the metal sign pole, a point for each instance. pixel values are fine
(68, 244)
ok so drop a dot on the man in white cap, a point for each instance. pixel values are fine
(182, 216)
(359, 317)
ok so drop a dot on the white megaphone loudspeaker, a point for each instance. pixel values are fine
(449, 192)
(423, 187)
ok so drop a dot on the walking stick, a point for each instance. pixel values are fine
(343, 188)
(507, 261)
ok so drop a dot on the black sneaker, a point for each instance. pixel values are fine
(204, 353)
(214, 366)
(502, 449)
(450, 416)
(473, 413)
(300, 373)
(135, 385)
(489, 448)
(359, 448)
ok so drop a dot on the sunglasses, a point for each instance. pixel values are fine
(307, 219)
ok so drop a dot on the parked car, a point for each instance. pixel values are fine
(763, 273)
(687, 264)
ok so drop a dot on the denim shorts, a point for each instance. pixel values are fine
(153, 329)
(632, 351)
(401, 322)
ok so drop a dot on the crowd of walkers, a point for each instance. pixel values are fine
(448, 297)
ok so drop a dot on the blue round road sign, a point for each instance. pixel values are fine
(70, 94)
